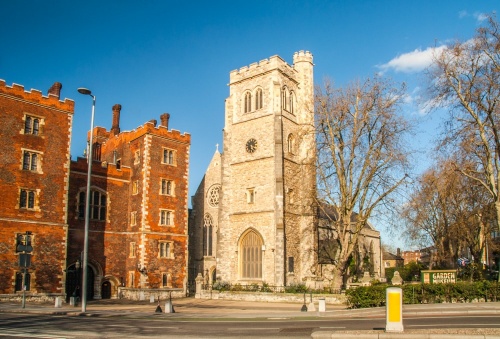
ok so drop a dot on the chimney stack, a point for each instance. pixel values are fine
(164, 119)
(115, 128)
(55, 89)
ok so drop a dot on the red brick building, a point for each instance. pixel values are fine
(410, 256)
(35, 134)
(138, 226)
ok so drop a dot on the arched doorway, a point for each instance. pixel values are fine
(74, 275)
(106, 290)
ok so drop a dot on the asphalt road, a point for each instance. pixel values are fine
(18, 325)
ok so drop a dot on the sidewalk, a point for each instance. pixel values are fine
(203, 310)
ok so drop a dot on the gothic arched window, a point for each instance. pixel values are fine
(285, 98)
(251, 256)
(258, 99)
(291, 143)
(208, 231)
(248, 102)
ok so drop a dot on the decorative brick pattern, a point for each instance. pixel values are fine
(47, 221)
(139, 153)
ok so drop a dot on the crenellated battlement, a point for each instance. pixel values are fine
(260, 67)
(265, 65)
(302, 56)
(37, 96)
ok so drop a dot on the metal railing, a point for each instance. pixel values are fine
(299, 289)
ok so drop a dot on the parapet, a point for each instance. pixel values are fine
(51, 100)
(256, 68)
(302, 56)
(274, 62)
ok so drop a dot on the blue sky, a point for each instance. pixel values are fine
(169, 56)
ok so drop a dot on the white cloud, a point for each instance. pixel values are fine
(412, 62)
(480, 16)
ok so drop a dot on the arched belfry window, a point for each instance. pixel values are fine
(248, 102)
(208, 231)
(285, 98)
(258, 99)
(291, 144)
(251, 256)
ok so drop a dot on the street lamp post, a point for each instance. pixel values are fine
(86, 91)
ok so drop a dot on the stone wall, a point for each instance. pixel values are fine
(142, 294)
(333, 299)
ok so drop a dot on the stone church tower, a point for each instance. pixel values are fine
(260, 227)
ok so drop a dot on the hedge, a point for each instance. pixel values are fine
(374, 296)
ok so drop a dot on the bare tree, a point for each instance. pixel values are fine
(450, 212)
(361, 159)
(465, 77)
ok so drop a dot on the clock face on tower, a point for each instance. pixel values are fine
(251, 145)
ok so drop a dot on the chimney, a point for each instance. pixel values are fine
(115, 128)
(55, 89)
(154, 122)
(398, 252)
(164, 119)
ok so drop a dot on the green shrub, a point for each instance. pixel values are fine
(373, 296)
(265, 287)
(296, 288)
(366, 296)
(221, 286)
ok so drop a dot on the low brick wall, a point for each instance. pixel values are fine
(146, 294)
(332, 299)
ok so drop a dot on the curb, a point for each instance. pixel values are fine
(358, 335)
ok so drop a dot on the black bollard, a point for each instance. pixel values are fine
(158, 308)
(304, 307)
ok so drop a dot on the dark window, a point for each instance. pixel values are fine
(19, 281)
(36, 126)
(81, 205)
(208, 230)
(168, 156)
(258, 99)
(31, 125)
(30, 161)
(248, 102)
(27, 199)
(97, 205)
(290, 264)
(27, 125)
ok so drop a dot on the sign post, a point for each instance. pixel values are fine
(24, 246)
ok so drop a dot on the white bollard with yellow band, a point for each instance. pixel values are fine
(394, 309)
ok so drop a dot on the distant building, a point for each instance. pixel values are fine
(35, 134)
(393, 260)
(410, 256)
(139, 211)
